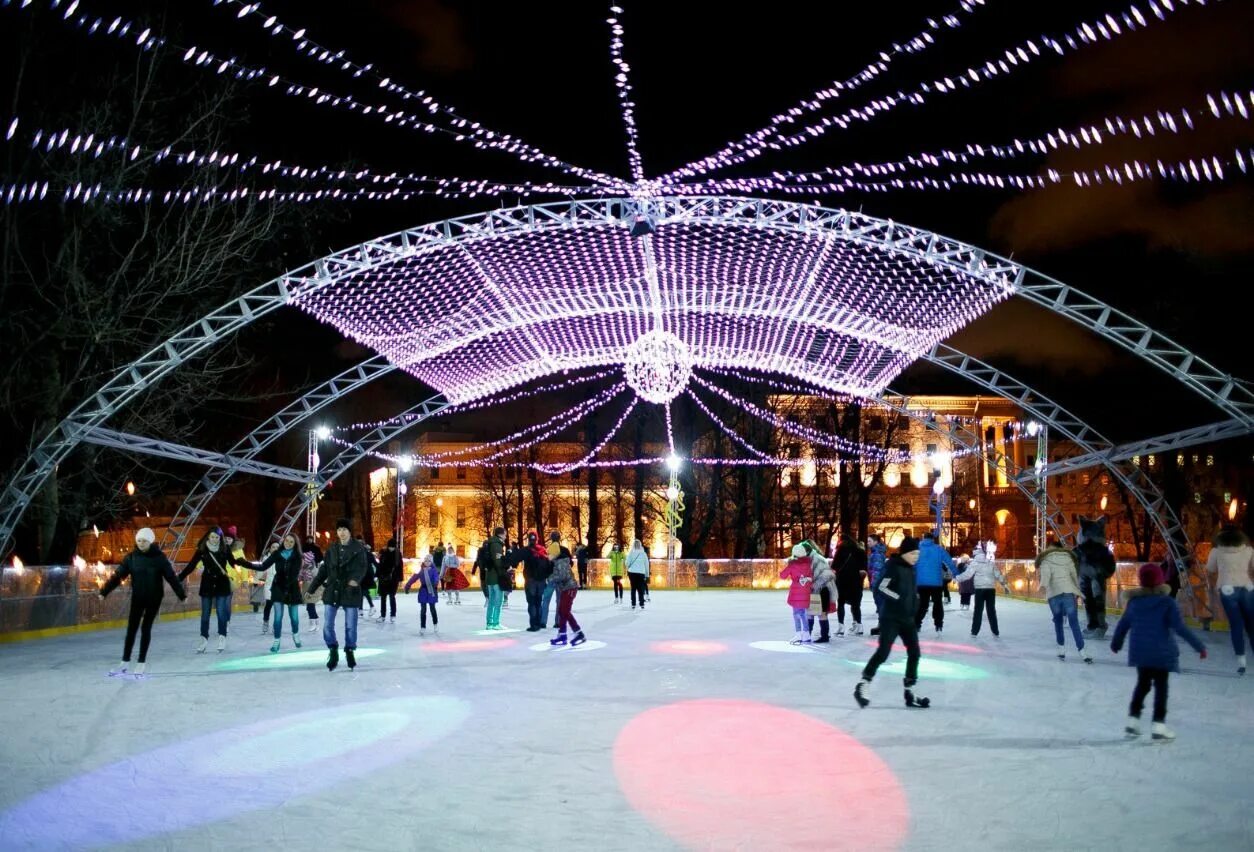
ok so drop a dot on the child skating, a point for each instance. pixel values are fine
(801, 573)
(565, 586)
(1152, 617)
(897, 618)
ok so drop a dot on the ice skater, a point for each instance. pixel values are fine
(269, 581)
(901, 603)
(428, 597)
(215, 558)
(490, 563)
(824, 586)
(986, 576)
(309, 559)
(566, 587)
(618, 567)
(933, 560)
(452, 578)
(801, 573)
(850, 564)
(1058, 570)
(1231, 560)
(638, 572)
(149, 570)
(284, 567)
(390, 572)
(342, 570)
(876, 553)
(1151, 616)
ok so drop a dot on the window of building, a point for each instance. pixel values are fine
(1179, 459)
(1210, 461)
(552, 517)
(875, 422)
(461, 517)
(461, 472)
(433, 517)
(435, 473)
(575, 520)
(907, 509)
(931, 449)
(487, 519)
(574, 475)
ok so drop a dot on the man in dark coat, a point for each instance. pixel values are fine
(149, 570)
(901, 601)
(491, 567)
(342, 571)
(581, 561)
(390, 572)
(536, 570)
(849, 563)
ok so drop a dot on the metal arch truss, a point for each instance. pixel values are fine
(1073, 429)
(256, 441)
(129, 443)
(890, 239)
(1160, 444)
(349, 456)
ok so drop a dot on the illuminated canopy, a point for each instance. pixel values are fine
(836, 298)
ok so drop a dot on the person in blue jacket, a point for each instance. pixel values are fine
(1151, 617)
(932, 557)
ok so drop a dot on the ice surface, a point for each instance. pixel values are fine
(677, 733)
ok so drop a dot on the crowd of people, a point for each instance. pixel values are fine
(906, 586)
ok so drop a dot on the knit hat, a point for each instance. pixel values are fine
(342, 523)
(1150, 575)
(232, 532)
(391, 542)
(909, 544)
(798, 551)
(145, 535)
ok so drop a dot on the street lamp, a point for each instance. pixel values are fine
(322, 432)
(674, 509)
(938, 506)
(673, 463)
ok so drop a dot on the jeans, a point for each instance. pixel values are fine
(141, 619)
(637, 588)
(889, 631)
(545, 597)
(534, 590)
(852, 597)
(1145, 678)
(932, 593)
(801, 619)
(329, 611)
(422, 615)
(618, 587)
(984, 598)
(1063, 606)
(1094, 592)
(222, 606)
(495, 595)
(1239, 607)
(565, 602)
(293, 617)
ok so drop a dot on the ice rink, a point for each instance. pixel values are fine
(695, 725)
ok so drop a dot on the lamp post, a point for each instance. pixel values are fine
(403, 466)
(674, 511)
(318, 433)
(938, 507)
(1040, 494)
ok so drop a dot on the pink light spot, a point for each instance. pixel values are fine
(724, 774)
(468, 645)
(690, 647)
(928, 646)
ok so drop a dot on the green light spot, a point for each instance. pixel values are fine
(930, 667)
(293, 660)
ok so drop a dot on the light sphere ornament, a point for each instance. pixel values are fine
(658, 366)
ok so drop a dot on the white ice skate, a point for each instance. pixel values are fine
(201, 645)
(1087, 657)
(119, 669)
(381, 619)
(1241, 664)
(264, 627)
(140, 670)
(796, 638)
(392, 620)
(1062, 653)
(313, 626)
(1132, 728)
(221, 644)
(857, 628)
(840, 630)
(296, 639)
(1160, 732)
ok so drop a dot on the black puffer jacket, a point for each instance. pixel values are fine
(285, 587)
(849, 563)
(900, 590)
(149, 570)
(342, 571)
(214, 582)
(390, 571)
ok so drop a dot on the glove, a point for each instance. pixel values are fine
(1202, 653)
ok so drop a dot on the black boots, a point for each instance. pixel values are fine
(911, 700)
(825, 631)
(333, 660)
(352, 661)
(859, 693)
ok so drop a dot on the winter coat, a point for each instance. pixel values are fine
(535, 562)
(618, 563)
(983, 572)
(824, 576)
(1231, 560)
(215, 582)
(849, 564)
(901, 593)
(149, 570)
(1152, 616)
(875, 560)
(390, 571)
(581, 558)
(1057, 569)
(1096, 562)
(429, 584)
(561, 578)
(342, 571)
(285, 589)
(802, 575)
(491, 562)
(637, 561)
(437, 557)
(931, 558)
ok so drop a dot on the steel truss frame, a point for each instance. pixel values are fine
(127, 442)
(1231, 395)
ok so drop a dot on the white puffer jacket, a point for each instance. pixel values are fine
(982, 571)
(1058, 574)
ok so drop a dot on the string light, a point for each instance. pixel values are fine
(622, 82)
(583, 462)
(1105, 28)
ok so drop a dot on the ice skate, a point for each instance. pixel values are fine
(264, 627)
(201, 645)
(140, 671)
(1132, 728)
(296, 639)
(1062, 655)
(559, 639)
(1241, 664)
(916, 701)
(313, 626)
(578, 639)
(435, 628)
(422, 631)
(119, 669)
(796, 638)
(274, 647)
(939, 630)
(333, 659)
(857, 628)
(221, 644)
(392, 620)
(825, 633)
(381, 619)
(840, 630)
(860, 693)
(1161, 733)
(1087, 657)
(350, 659)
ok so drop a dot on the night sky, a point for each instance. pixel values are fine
(1178, 258)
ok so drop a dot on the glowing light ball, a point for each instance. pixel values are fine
(720, 774)
(929, 667)
(294, 660)
(688, 647)
(234, 771)
(658, 366)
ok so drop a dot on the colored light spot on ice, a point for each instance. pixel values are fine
(781, 647)
(292, 660)
(927, 646)
(929, 667)
(688, 647)
(464, 646)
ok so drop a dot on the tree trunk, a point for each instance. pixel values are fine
(594, 500)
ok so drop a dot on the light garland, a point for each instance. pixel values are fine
(731, 433)
(1102, 29)
(554, 469)
(622, 82)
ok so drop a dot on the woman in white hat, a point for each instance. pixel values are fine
(147, 567)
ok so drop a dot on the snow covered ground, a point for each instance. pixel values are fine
(677, 733)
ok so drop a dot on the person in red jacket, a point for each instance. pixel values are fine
(800, 571)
